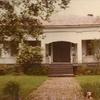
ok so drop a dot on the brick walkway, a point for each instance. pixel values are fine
(59, 88)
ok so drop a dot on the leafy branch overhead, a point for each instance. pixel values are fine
(20, 18)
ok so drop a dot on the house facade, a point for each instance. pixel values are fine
(65, 40)
(70, 43)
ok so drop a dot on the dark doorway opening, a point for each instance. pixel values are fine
(61, 51)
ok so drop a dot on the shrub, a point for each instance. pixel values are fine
(86, 70)
(83, 70)
(11, 91)
(6, 69)
(29, 60)
(32, 69)
(29, 55)
(35, 69)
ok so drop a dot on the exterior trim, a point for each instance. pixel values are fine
(71, 26)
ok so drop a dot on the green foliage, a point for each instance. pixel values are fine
(87, 70)
(35, 70)
(18, 27)
(96, 49)
(28, 20)
(29, 60)
(29, 55)
(12, 90)
(6, 69)
(27, 84)
(42, 8)
(83, 70)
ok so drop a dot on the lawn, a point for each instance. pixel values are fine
(27, 83)
(90, 83)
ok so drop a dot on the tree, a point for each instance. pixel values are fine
(17, 25)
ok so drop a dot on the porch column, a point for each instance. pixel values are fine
(43, 51)
(51, 53)
(79, 51)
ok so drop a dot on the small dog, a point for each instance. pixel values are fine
(89, 95)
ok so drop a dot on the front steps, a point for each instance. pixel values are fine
(60, 70)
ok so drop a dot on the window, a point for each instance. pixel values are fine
(6, 49)
(10, 48)
(14, 48)
(89, 47)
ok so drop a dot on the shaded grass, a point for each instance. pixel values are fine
(27, 83)
(90, 83)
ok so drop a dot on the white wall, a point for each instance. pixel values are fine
(10, 60)
(73, 35)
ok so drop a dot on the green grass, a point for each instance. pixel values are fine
(90, 83)
(88, 78)
(27, 83)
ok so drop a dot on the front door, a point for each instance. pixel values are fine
(61, 52)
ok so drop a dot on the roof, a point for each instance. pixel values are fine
(63, 20)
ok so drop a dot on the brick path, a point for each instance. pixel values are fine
(59, 88)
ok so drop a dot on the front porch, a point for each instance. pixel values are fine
(69, 52)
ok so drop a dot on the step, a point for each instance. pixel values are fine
(68, 70)
(60, 70)
(61, 75)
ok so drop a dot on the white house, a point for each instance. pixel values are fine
(66, 40)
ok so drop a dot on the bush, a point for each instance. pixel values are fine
(83, 70)
(86, 70)
(34, 69)
(6, 69)
(29, 61)
(11, 91)
(29, 55)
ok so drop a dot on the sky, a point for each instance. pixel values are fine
(83, 7)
